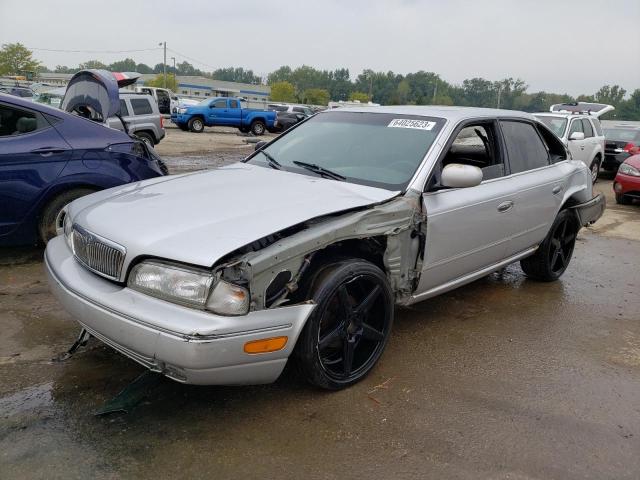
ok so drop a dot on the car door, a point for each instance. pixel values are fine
(538, 181)
(468, 228)
(32, 155)
(218, 112)
(577, 147)
(591, 142)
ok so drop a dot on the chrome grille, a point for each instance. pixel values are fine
(98, 254)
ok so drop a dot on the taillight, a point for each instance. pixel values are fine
(161, 121)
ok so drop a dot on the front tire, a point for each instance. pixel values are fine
(348, 330)
(258, 127)
(196, 125)
(622, 200)
(52, 218)
(554, 253)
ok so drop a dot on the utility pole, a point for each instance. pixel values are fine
(164, 63)
(499, 93)
(435, 92)
(175, 75)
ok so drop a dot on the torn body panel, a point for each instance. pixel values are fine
(394, 227)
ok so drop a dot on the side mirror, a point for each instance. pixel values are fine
(576, 136)
(456, 175)
(259, 145)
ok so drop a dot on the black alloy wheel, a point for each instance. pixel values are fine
(349, 328)
(554, 254)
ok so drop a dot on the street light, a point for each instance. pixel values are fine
(164, 63)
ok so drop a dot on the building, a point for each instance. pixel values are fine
(188, 86)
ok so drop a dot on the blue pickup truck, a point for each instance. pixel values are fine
(224, 111)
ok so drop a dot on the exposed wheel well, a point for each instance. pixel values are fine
(370, 249)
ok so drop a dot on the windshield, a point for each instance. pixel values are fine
(622, 134)
(376, 149)
(556, 124)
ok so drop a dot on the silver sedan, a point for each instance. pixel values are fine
(300, 252)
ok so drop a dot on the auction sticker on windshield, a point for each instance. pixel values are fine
(406, 123)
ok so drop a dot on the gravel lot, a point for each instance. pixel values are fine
(505, 378)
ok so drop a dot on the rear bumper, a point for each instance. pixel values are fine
(589, 212)
(187, 345)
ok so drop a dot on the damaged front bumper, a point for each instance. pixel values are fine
(589, 212)
(187, 345)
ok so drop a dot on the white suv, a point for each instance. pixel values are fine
(577, 125)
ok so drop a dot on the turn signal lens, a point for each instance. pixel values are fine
(265, 346)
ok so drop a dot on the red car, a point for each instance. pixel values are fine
(626, 185)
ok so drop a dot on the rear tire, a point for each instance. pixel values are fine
(52, 218)
(258, 127)
(196, 125)
(146, 138)
(595, 169)
(554, 253)
(348, 330)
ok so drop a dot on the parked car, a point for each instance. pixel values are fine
(289, 115)
(22, 92)
(626, 185)
(621, 142)
(300, 252)
(577, 125)
(165, 98)
(49, 158)
(224, 111)
(141, 117)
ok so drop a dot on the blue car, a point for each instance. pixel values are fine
(48, 157)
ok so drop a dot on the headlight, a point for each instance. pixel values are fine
(170, 282)
(182, 110)
(229, 299)
(627, 169)
(188, 286)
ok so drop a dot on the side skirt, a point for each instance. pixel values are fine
(467, 278)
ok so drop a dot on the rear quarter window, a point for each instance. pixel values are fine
(525, 148)
(141, 106)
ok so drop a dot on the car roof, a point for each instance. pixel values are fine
(450, 113)
(564, 115)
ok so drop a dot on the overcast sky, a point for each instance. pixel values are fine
(572, 46)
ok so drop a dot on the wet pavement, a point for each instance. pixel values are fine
(505, 378)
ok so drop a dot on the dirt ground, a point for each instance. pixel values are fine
(505, 378)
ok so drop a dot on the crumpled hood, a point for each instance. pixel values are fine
(198, 218)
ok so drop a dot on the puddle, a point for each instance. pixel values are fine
(31, 398)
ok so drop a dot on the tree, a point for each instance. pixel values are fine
(237, 74)
(315, 96)
(64, 69)
(97, 64)
(126, 65)
(282, 74)
(143, 68)
(359, 96)
(16, 59)
(283, 92)
(159, 82)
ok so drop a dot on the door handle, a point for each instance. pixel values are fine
(504, 206)
(48, 151)
(557, 189)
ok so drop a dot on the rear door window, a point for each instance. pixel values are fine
(588, 129)
(524, 146)
(124, 110)
(141, 106)
(18, 121)
(598, 127)
(233, 104)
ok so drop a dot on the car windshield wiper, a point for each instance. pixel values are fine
(273, 163)
(320, 170)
